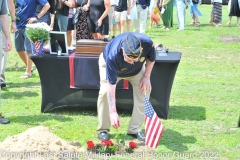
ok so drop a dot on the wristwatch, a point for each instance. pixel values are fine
(37, 17)
(13, 20)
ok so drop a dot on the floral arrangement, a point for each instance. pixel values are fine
(38, 32)
(108, 147)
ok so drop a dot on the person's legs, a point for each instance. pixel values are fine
(137, 117)
(23, 47)
(197, 23)
(181, 16)
(2, 119)
(3, 65)
(143, 19)
(229, 21)
(102, 103)
(238, 18)
(62, 22)
(212, 18)
(136, 21)
(129, 25)
(74, 33)
(123, 18)
(114, 23)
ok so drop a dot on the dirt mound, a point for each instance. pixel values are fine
(38, 143)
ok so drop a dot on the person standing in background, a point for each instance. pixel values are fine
(133, 15)
(167, 15)
(122, 10)
(82, 29)
(234, 7)
(181, 13)
(61, 15)
(70, 27)
(194, 11)
(8, 44)
(11, 8)
(111, 16)
(151, 9)
(216, 14)
(97, 18)
(142, 13)
(26, 13)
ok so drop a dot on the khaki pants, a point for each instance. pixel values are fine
(137, 117)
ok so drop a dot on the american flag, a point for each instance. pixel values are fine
(153, 126)
(37, 45)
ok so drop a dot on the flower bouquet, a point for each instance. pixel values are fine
(109, 148)
(38, 33)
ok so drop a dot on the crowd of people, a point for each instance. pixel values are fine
(129, 55)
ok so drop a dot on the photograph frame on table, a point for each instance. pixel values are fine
(61, 38)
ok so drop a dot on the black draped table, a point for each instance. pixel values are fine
(54, 74)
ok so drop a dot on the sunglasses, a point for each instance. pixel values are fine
(135, 55)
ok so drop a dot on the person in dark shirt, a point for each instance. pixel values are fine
(129, 56)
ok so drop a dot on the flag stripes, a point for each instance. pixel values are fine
(153, 127)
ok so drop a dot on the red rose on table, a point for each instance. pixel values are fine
(90, 144)
(132, 145)
(107, 143)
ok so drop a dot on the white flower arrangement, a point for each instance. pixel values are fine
(38, 32)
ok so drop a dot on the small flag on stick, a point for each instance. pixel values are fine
(153, 126)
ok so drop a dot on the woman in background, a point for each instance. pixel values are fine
(61, 16)
(234, 7)
(133, 15)
(194, 11)
(167, 16)
(97, 18)
(82, 30)
(216, 14)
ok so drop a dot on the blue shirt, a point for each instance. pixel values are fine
(26, 9)
(115, 64)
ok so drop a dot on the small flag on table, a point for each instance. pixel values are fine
(153, 126)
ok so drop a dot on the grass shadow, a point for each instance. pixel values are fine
(18, 95)
(175, 141)
(86, 110)
(193, 113)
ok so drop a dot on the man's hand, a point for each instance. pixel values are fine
(115, 122)
(13, 27)
(8, 45)
(145, 81)
(31, 20)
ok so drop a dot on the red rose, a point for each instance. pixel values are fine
(107, 143)
(132, 145)
(90, 144)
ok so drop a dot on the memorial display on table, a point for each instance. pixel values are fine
(38, 33)
(90, 47)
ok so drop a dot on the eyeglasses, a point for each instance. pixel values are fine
(135, 55)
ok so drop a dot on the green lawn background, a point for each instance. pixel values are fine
(204, 104)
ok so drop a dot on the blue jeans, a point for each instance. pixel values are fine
(181, 13)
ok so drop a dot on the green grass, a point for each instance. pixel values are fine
(204, 104)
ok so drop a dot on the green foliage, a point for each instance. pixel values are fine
(38, 31)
